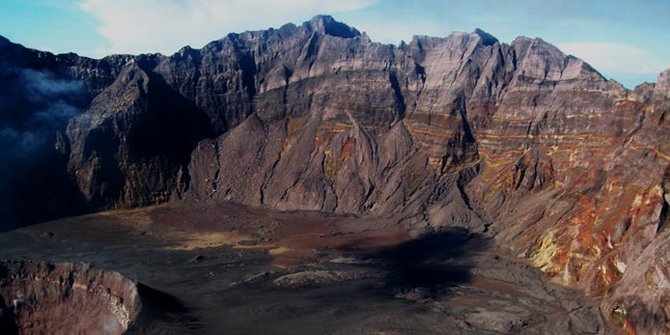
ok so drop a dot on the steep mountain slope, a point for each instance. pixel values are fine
(519, 141)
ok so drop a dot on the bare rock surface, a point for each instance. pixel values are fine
(313, 278)
(64, 298)
(520, 142)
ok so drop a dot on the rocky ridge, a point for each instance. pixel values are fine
(520, 141)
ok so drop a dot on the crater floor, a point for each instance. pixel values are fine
(241, 270)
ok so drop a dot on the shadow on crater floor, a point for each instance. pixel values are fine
(431, 263)
(162, 313)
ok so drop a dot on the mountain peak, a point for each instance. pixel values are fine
(663, 84)
(664, 77)
(487, 39)
(327, 25)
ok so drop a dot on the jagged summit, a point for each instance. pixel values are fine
(487, 38)
(327, 25)
(663, 78)
(662, 88)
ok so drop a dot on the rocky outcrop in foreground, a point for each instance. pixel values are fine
(64, 298)
(520, 141)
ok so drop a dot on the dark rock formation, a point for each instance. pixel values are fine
(522, 141)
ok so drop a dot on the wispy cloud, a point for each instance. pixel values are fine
(136, 26)
(616, 57)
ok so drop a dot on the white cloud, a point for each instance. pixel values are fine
(140, 26)
(615, 57)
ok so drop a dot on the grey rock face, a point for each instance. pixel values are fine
(131, 144)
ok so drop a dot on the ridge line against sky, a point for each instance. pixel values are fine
(623, 39)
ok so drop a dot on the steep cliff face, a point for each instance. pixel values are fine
(129, 147)
(354, 127)
(639, 301)
(520, 141)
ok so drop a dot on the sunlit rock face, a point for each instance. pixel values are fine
(520, 141)
(64, 298)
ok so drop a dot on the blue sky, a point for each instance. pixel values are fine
(628, 40)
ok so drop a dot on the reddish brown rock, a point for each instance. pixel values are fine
(64, 298)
